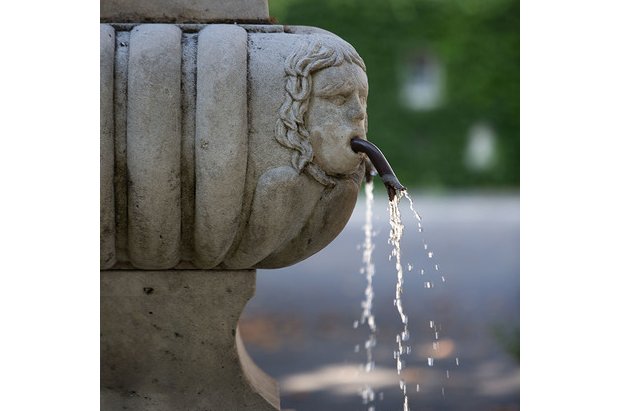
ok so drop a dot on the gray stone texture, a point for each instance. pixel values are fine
(223, 147)
(207, 170)
(221, 140)
(106, 148)
(178, 11)
(188, 126)
(121, 71)
(169, 342)
(290, 215)
(153, 146)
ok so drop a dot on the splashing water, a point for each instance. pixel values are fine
(429, 285)
(396, 233)
(367, 316)
(429, 253)
(367, 393)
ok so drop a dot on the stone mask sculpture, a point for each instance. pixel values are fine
(296, 208)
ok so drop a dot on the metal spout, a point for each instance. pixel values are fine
(380, 163)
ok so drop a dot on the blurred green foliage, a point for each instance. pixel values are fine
(509, 339)
(477, 42)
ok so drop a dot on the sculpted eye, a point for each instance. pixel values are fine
(338, 99)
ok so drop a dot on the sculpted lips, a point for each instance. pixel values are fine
(380, 163)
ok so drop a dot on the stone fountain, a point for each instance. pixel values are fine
(225, 147)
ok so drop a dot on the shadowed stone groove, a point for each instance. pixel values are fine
(120, 142)
(188, 109)
(106, 150)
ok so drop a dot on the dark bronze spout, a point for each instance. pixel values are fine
(380, 163)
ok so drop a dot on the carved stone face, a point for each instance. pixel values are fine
(337, 113)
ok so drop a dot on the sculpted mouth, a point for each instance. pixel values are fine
(380, 163)
(352, 138)
(356, 135)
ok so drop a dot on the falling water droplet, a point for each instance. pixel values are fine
(409, 267)
(436, 267)
(428, 284)
(417, 216)
(457, 360)
(443, 279)
(443, 392)
(431, 361)
(431, 323)
(422, 271)
(356, 324)
(356, 348)
(448, 374)
(417, 387)
(430, 254)
(425, 246)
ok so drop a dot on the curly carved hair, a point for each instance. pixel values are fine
(317, 52)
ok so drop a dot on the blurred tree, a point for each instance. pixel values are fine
(460, 56)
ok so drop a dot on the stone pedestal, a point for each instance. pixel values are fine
(169, 342)
(218, 157)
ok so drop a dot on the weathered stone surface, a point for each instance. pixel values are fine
(121, 69)
(106, 149)
(154, 146)
(169, 342)
(231, 150)
(189, 43)
(177, 11)
(303, 173)
(238, 144)
(221, 140)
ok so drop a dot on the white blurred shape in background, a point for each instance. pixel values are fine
(481, 147)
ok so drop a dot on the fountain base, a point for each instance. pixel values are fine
(169, 341)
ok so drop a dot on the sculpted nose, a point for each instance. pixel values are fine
(357, 111)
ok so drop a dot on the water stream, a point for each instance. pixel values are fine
(429, 280)
(368, 318)
(396, 233)
(396, 191)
